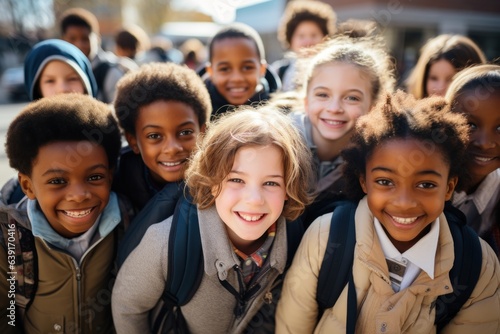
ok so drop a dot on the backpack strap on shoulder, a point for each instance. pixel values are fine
(185, 266)
(339, 255)
(466, 267)
(294, 233)
(100, 73)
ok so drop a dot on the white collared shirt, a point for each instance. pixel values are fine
(484, 198)
(421, 256)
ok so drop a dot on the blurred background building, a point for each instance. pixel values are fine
(406, 24)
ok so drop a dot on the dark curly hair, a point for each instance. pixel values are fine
(299, 11)
(64, 117)
(160, 81)
(400, 116)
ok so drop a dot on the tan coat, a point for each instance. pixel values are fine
(380, 309)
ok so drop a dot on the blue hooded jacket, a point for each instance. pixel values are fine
(55, 49)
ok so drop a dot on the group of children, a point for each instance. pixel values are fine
(91, 226)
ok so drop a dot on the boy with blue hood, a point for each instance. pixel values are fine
(55, 66)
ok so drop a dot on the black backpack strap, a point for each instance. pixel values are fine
(294, 233)
(185, 267)
(352, 306)
(158, 208)
(466, 267)
(339, 255)
(100, 74)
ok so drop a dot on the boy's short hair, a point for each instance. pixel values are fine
(298, 11)
(133, 38)
(401, 116)
(243, 127)
(160, 81)
(64, 117)
(79, 17)
(238, 30)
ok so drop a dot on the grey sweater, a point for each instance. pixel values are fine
(141, 280)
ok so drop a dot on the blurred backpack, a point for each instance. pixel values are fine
(110, 61)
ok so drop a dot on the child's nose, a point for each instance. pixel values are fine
(236, 75)
(483, 140)
(335, 105)
(253, 195)
(77, 193)
(404, 198)
(172, 146)
(63, 87)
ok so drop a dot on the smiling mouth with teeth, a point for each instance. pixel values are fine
(483, 159)
(334, 122)
(78, 214)
(404, 221)
(250, 218)
(172, 164)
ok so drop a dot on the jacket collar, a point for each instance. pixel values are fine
(369, 251)
(219, 256)
(108, 220)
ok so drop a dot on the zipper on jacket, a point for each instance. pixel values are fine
(78, 292)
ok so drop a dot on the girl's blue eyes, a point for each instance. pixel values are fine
(268, 183)
(349, 98)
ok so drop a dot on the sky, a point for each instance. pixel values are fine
(222, 11)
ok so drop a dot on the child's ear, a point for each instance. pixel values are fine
(452, 182)
(263, 68)
(208, 69)
(132, 142)
(362, 182)
(203, 128)
(26, 185)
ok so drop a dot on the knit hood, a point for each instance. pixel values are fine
(55, 49)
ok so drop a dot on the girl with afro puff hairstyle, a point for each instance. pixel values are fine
(405, 159)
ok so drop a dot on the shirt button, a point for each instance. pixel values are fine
(383, 328)
(390, 307)
(57, 327)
